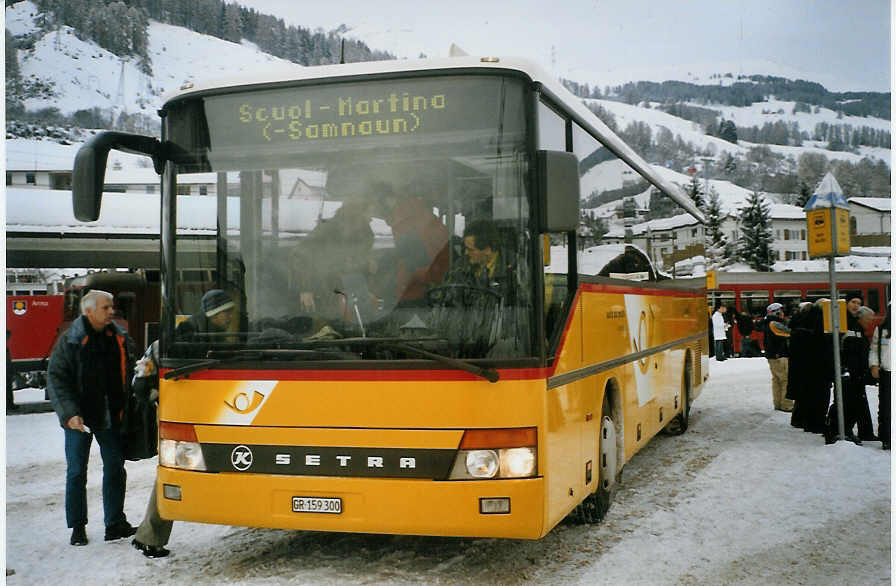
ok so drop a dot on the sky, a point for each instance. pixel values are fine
(741, 498)
(845, 46)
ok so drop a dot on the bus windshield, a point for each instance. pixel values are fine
(352, 220)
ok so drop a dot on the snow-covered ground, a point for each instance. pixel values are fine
(741, 498)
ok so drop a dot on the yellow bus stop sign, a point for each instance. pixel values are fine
(820, 237)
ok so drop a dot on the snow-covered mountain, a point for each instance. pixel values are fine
(83, 76)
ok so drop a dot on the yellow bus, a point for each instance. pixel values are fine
(418, 342)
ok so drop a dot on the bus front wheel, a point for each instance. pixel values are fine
(595, 506)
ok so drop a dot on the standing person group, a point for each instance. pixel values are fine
(811, 372)
(88, 380)
(854, 349)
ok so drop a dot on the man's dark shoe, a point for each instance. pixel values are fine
(850, 436)
(79, 536)
(885, 444)
(150, 551)
(119, 531)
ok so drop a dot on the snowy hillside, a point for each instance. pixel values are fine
(87, 76)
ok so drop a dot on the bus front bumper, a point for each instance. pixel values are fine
(368, 505)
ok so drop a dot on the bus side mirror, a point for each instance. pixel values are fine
(558, 191)
(89, 171)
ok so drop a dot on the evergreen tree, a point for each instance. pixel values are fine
(755, 243)
(803, 195)
(591, 228)
(695, 192)
(717, 248)
(728, 131)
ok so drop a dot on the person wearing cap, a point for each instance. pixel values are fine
(775, 337)
(215, 314)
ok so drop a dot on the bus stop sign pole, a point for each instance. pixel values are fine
(827, 216)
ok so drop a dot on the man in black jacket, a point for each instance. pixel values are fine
(775, 336)
(88, 381)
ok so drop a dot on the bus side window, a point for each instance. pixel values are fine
(556, 287)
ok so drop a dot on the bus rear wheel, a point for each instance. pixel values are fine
(595, 506)
(679, 424)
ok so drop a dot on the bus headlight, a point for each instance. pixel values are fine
(496, 453)
(179, 447)
(517, 462)
(482, 463)
(180, 454)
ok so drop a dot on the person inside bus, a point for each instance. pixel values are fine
(484, 264)
(214, 315)
(335, 253)
(420, 257)
(88, 379)
(486, 287)
(719, 331)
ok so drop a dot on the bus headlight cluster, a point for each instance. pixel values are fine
(491, 454)
(501, 463)
(181, 454)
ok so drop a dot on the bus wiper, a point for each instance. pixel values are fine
(216, 357)
(489, 374)
(202, 365)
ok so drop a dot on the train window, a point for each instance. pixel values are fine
(814, 295)
(790, 299)
(754, 303)
(872, 300)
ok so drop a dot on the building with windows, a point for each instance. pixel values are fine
(869, 219)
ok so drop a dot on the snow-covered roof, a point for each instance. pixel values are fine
(783, 211)
(50, 211)
(657, 225)
(878, 204)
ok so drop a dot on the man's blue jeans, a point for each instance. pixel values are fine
(77, 453)
(720, 350)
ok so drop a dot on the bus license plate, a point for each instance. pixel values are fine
(310, 504)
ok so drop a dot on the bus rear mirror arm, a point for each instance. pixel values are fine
(89, 170)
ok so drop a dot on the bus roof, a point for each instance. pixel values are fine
(553, 88)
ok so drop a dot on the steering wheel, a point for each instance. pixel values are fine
(457, 291)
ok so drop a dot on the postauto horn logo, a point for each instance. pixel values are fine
(242, 404)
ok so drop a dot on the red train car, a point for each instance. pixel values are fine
(751, 292)
(33, 323)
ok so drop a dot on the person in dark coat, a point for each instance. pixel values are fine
(88, 380)
(10, 397)
(776, 334)
(800, 362)
(214, 315)
(855, 347)
(154, 531)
